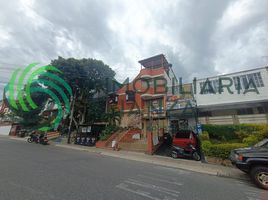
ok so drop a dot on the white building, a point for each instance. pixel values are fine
(240, 97)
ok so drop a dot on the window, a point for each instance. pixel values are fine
(145, 84)
(246, 111)
(261, 110)
(263, 143)
(116, 99)
(205, 114)
(130, 96)
(156, 105)
(183, 134)
(113, 99)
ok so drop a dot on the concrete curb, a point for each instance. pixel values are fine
(210, 169)
(18, 138)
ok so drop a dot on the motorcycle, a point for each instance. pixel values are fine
(41, 139)
(190, 151)
(33, 138)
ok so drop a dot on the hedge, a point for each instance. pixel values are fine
(234, 132)
(220, 150)
(218, 140)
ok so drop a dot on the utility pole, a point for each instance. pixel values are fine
(71, 118)
(203, 159)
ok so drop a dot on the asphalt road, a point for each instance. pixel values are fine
(32, 171)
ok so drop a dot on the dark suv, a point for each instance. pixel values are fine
(254, 161)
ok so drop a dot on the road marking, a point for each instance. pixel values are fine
(161, 180)
(154, 187)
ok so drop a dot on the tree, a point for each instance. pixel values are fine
(113, 116)
(86, 78)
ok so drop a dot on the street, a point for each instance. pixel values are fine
(32, 171)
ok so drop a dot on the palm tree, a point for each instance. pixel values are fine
(113, 116)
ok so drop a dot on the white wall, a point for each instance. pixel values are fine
(4, 130)
(226, 98)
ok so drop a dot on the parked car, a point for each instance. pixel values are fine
(254, 161)
(183, 138)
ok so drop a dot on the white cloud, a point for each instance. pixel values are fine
(200, 38)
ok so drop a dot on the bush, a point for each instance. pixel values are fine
(233, 135)
(204, 136)
(223, 150)
(104, 137)
(220, 132)
(107, 132)
(263, 133)
(235, 132)
(206, 146)
(251, 140)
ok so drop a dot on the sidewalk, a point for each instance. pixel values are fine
(211, 169)
(17, 138)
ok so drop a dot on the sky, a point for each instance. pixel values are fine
(200, 38)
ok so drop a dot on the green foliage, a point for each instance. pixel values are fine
(107, 132)
(222, 139)
(104, 137)
(87, 78)
(220, 132)
(113, 116)
(263, 133)
(251, 140)
(237, 132)
(86, 74)
(95, 111)
(204, 136)
(205, 146)
(222, 150)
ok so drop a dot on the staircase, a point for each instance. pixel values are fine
(126, 141)
(116, 136)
